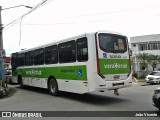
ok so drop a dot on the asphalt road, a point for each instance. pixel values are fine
(135, 98)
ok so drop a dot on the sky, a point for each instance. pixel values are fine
(59, 19)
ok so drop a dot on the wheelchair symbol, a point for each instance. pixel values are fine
(79, 72)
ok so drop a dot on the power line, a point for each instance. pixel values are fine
(85, 15)
(110, 12)
(71, 22)
(18, 19)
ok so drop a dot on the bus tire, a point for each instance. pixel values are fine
(53, 87)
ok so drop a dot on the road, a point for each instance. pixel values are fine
(135, 98)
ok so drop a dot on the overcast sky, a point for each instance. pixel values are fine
(64, 18)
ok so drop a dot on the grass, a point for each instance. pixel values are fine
(140, 79)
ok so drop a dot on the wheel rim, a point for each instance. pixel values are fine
(53, 87)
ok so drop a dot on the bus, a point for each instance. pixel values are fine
(93, 61)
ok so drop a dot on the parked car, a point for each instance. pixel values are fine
(156, 98)
(8, 76)
(153, 77)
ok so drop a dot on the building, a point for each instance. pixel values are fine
(145, 44)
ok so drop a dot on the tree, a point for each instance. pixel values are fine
(143, 58)
(146, 58)
(153, 60)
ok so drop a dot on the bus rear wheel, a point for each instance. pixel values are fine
(53, 87)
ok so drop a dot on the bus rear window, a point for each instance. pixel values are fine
(112, 43)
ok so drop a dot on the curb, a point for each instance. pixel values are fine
(135, 79)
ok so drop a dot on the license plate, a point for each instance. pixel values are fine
(116, 77)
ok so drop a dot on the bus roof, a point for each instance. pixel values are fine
(67, 39)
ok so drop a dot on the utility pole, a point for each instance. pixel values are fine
(1, 41)
(1, 53)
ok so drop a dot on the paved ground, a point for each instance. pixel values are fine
(135, 98)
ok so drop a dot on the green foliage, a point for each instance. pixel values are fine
(146, 58)
(153, 60)
(143, 57)
(141, 77)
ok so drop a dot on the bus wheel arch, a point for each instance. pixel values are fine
(53, 86)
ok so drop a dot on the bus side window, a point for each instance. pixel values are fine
(21, 61)
(51, 55)
(27, 58)
(14, 61)
(82, 49)
(39, 56)
(67, 52)
(31, 59)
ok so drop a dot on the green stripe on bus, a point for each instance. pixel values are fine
(114, 66)
(63, 72)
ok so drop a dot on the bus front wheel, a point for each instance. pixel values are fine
(53, 87)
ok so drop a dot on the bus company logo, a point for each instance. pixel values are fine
(115, 56)
(115, 66)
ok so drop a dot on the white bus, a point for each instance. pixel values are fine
(96, 61)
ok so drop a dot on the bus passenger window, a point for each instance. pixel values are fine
(29, 58)
(21, 59)
(82, 49)
(39, 57)
(67, 52)
(51, 55)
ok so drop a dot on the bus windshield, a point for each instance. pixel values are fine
(112, 43)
